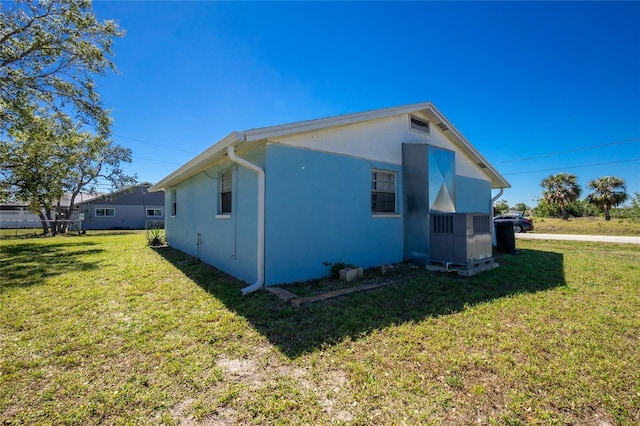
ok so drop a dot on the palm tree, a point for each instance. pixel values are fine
(560, 189)
(608, 191)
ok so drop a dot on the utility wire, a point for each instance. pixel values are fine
(157, 161)
(551, 154)
(572, 167)
(155, 144)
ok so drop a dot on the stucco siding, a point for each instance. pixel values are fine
(319, 210)
(381, 140)
(227, 241)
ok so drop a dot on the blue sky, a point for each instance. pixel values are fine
(538, 87)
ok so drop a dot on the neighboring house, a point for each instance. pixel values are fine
(275, 205)
(131, 208)
(17, 214)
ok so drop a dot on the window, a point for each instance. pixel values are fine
(225, 192)
(174, 203)
(154, 212)
(421, 126)
(383, 192)
(105, 212)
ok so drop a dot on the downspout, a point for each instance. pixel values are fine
(260, 237)
(494, 199)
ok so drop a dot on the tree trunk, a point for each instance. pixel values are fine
(56, 223)
(70, 210)
(51, 221)
(563, 211)
(64, 214)
(44, 222)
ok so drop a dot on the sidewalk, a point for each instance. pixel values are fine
(567, 237)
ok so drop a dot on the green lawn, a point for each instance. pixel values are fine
(587, 226)
(101, 329)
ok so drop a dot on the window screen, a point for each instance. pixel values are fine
(225, 192)
(383, 192)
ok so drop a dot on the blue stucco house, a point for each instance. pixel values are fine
(273, 205)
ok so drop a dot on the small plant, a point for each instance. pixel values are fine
(156, 237)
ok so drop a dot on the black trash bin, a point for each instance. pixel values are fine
(505, 237)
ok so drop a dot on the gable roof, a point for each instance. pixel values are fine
(131, 195)
(203, 161)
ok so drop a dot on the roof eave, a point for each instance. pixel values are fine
(199, 163)
(203, 160)
(340, 120)
(497, 180)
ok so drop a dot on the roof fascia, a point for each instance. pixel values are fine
(200, 162)
(497, 181)
(340, 120)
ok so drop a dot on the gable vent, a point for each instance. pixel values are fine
(442, 127)
(419, 125)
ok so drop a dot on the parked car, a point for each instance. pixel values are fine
(520, 223)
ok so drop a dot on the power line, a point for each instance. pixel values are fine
(157, 161)
(155, 144)
(572, 167)
(551, 154)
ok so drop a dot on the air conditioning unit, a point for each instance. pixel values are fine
(460, 239)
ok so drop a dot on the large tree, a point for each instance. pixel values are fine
(50, 51)
(42, 158)
(560, 189)
(30, 167)
(608, 191)
(53, 128)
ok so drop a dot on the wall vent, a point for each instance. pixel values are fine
(442, 127)
(421, 126)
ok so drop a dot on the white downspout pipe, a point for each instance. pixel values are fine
(494, 199)
(260, 237)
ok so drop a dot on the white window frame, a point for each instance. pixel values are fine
(223, 189)
(155, 212)
(104, 213)
(374, 190)
(419, 125)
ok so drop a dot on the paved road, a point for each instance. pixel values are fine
(566, 237)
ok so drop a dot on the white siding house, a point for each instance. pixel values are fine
(274, 205)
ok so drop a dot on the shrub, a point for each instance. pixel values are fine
(156, 237)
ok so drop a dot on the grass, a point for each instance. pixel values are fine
(587, 226)
(103, 329)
